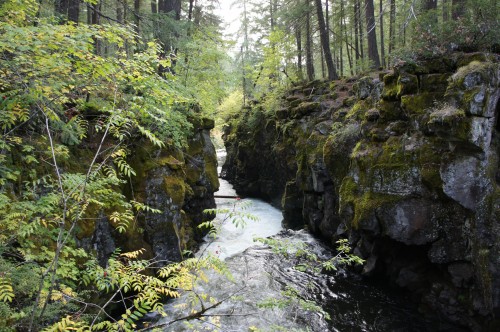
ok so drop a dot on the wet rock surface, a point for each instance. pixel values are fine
(267, 291)
(405, 160)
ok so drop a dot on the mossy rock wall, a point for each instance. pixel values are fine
(403, 163)
(178, 182)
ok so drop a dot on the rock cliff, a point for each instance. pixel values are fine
(179, 183)
(405, 163)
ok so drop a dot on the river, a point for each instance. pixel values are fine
(257, 298)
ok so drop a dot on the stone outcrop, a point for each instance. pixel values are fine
(405, 163)
(179, 183)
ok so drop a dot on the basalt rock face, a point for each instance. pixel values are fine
(179, 183)
(405, 163)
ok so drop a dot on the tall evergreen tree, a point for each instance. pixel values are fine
(458, 8)
(332, 72)
(382, 44)
(309, 43)
(392, 26)
(371, 33)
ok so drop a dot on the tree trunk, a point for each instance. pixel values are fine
(349, 47)
(96, 18)
(137, 19)
(382, 46)
(173, 6)
(356, 30)
(245, 26)
(93, 17)
(372, 36)
(61, 7)
(327, 18)
(309, 54)
(244, 53)
(430, 4)
(190, 11)
(89, 14)
(344, 25)
(360, 28)
(457, 9)
(68, 10)
(341, 59)
(154, 7)
(332, 73)
(119, 13)
(243, 74)
(74, 11)
(298, 38)
(446, 12)
(392, 27)
(322, 58)
(271, 14)
(169, 6)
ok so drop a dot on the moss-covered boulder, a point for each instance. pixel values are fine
(305, 108)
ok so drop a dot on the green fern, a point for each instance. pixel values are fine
(6, 290)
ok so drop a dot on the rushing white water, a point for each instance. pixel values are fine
(260, 276)
(233, 239)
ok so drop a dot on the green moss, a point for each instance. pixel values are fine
(429, 162)
(407, 84)
(359, 109)
(349, 101)
(419, 104)
(185, 233)
(79, 160)
(146, 157)
(193, 174)
(207, 123)
(305, 108)
(211, 172)
(85, 228)
(474, 73)
(466, 58)
(438, 64)
(364, 203)
(171, 162)
(348, 192)
(175, 189)
(296, 102)
(282, 113)
(389, 110)
(484, 273)
(195, 120)
(446, 115)
(195, 147)
(390, 91)
(302, 169)
(338, 147)
(365, 206)
(434, 82)
(389, 156)
(390, 78)
(378, 134)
